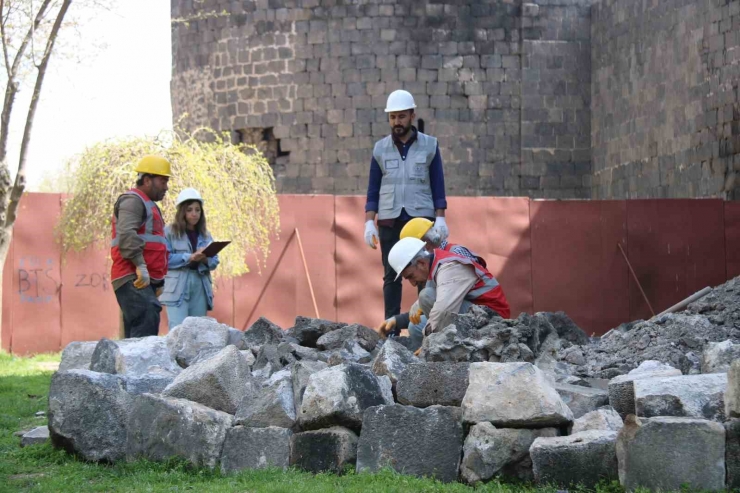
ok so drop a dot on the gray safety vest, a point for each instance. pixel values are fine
(405, 183)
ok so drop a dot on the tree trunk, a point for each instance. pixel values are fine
(5, 237)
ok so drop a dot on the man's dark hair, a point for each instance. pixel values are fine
(140, 179)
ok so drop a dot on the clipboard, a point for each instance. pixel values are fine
(214, 247)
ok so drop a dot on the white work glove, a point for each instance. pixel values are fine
(142, 277)
(371, 234)
(415, 313)
(440, 228)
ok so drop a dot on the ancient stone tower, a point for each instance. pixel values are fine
(556, 98)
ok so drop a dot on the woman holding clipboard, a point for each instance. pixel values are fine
(188, 287)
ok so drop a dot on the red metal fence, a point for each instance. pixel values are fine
(548, 256)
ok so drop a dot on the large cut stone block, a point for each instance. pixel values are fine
(732, 394)
(429, 384)
(219, 382)
(77, 355)
(367, 338)
(513, 395)
(271, 405)
(732, 453)
(489, 451)
(664, 453)
(392, 360)
(605, 418)
(194, 335)
(255, 448)
(691, 396)
(133, 356)
(339, 395)
(582, 458)
(420, 442)
(326, 450)
(622, 390)
(300, 373)
(163, 427)
(88, 412)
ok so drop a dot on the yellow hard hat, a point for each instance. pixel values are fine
(154, 165)
(416, 228)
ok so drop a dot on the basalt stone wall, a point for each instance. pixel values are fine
(553, 98)
(665, 113)
(504, 85)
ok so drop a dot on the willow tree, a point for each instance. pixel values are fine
(235, 180)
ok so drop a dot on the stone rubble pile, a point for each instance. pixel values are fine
(532, 398)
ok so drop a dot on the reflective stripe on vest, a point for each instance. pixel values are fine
(486, 290)
(146, 237)
(405, 183)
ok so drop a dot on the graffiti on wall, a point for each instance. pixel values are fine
(36, 280)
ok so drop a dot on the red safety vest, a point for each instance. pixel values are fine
(485, 292)
(155, 247)
(449, 246)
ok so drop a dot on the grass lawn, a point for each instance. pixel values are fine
(24, 387)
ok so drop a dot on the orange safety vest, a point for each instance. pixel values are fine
(155, 247)
(485, 292)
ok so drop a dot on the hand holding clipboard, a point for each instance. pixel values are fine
(214, 247)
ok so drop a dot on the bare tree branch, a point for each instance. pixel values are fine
(12, 87)
(4, 41)
(20, 177)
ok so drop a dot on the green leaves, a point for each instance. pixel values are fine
(238, 188)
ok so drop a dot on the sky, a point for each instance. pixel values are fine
(120, 88)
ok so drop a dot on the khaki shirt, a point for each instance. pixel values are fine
(129, 213)
(454, 280)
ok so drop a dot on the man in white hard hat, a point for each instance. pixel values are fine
(406, 181)
(453, 282)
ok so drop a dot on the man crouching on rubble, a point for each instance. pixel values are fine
(453, 282)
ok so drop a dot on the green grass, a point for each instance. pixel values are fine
(24, 386)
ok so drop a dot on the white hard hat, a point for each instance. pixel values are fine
(188, 194)
(403, 251)
(400, 100)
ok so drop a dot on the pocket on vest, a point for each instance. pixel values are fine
(385, 201)
(424, 200)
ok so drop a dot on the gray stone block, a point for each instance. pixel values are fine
(37, 436)
(262, 332)
(339, 395)
(429, 384)
(667, 453)
(693, 396)
(77, 356)
(88, 413)
(489, 451)
(584, 458)
(399, 436)
(326, 450)
(219, 382)
(582, 400)
(165, 427)
(133, 356)
(255, 448)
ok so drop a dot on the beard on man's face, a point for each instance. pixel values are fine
(401, 130)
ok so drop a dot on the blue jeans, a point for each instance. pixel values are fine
(194, 302)
(416, 333)
(141, 310)
(427, 297)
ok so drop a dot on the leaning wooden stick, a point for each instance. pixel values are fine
(305, 266)
(264, 287)
(634, 276)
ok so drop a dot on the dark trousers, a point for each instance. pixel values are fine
(389, 236)
(141, 310)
